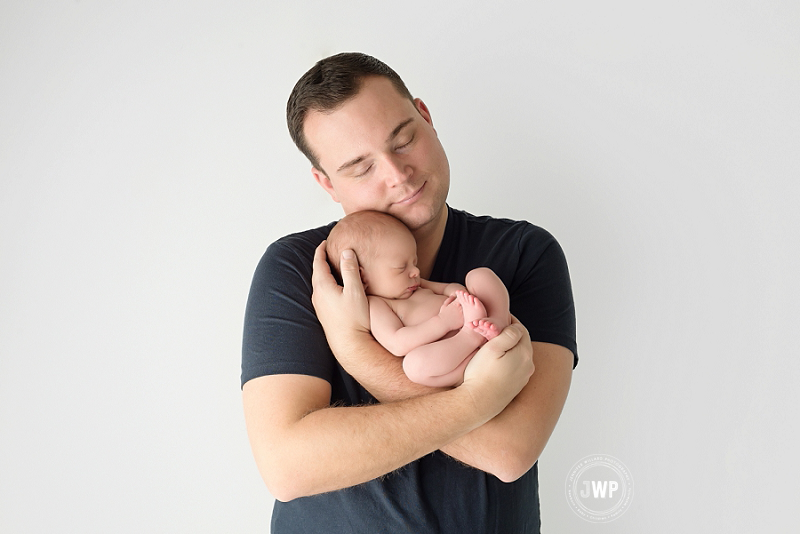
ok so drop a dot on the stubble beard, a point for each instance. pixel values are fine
(433, 205)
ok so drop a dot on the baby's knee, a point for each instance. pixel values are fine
(480, 276)
(415, 369)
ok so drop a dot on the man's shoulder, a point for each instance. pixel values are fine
(299, 245)
(290, 255)
(306, 238)
(498, 230)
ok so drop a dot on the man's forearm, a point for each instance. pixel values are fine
(509, 444)
(302, 447)
(380, 372)
(356, 444)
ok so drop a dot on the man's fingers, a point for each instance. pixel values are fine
(321, 276)
(348, 266)
(515, 322)
(320, 259)
(506, 340)
(355, 296)
(321, 273)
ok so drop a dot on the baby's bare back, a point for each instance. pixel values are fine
(417, 308)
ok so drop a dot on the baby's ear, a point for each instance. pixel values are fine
(363, 277)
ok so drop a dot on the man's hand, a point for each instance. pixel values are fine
(344, 314)
(508, 445)
(342, 311)
(501, 368)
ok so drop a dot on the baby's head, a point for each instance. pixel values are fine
(385, 249)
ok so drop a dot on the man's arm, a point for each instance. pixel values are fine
(509, 444)
(512, 442)
(302, 446)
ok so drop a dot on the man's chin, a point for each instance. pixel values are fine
(414, 221)
(418, 216)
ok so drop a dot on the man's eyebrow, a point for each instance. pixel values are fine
(351, 163)
(359, 159)
(398, 129)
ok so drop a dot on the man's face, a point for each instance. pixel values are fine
(379, 151)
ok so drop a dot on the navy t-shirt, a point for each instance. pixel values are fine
(435, 493)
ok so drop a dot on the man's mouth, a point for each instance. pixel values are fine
(412, 197)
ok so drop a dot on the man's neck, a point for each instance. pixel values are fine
(429, 239)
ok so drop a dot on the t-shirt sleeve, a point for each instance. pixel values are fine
(542, 292)
(281, 332)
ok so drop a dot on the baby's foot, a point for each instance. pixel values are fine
(471, 306)
(485, 327)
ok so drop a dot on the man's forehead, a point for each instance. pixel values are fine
(371, 117)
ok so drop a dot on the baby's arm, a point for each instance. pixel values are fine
(439, 288)
(389, 331)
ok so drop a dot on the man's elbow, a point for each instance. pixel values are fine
(513, 465)
(285, 480)
(280, 495)
(510, 474)
(282, 485)
(283, 494)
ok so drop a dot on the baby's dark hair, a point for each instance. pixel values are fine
(360, 231)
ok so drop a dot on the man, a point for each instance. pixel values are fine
(342, 438)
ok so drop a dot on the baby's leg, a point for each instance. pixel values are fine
(453, 378)
(484, 284)
(471, 306)
(438, 363)
(442, 362)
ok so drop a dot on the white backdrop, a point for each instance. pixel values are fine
(145, 166)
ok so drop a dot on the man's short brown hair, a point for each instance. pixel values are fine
(328, 85)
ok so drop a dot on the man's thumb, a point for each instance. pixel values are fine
(348, 266)
(507, 339)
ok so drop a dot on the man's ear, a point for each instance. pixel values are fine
(323, 180)
(423, 110)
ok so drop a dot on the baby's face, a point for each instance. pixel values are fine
(393, 274)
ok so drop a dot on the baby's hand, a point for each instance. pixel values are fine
(451, 313)
(452, 289)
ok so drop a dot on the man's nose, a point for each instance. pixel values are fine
(397, 171)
